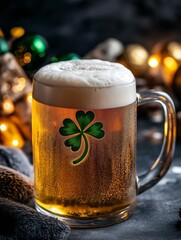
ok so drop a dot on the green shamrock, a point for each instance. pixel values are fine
(70, 128)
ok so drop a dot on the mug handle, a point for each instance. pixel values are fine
(162, 163)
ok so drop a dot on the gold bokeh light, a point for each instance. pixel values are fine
(137, 54)
(8, 106)
(154, 61)
(17, 32)
(27, 58)
(29, 97)
(174, 49)
(170, 63)
(15, 142)
(10, 135)
(20, 84)
(3, 127)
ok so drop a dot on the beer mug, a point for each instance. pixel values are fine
(84, 123)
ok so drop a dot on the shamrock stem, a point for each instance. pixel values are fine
(85, 151)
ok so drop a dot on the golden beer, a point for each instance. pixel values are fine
(104, 182)
(84, 142)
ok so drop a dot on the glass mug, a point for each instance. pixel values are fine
(84, 122)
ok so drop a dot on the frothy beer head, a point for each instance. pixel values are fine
(86, 84)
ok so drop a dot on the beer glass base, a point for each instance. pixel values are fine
(92, 222)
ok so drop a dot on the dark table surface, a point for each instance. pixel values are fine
(156, 214)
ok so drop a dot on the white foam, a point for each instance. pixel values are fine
(89, 84)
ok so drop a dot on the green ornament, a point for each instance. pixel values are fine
(30, 50)
(65, 57)
(4, 48)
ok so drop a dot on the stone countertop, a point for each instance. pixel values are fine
(156, 214)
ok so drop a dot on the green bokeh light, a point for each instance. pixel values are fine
(65, 57)
(4, 48)
(38, 45)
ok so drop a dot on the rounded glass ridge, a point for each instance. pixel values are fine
(81, 73)
(85, 84)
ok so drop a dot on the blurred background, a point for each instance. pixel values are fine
(78, 25)
(143, 35)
